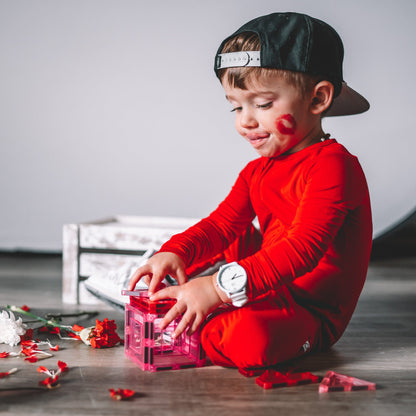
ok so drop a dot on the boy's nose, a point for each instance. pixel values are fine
(247, 120)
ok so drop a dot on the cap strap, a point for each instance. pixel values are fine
(237, 59)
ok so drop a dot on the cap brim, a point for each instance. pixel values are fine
(347, 103)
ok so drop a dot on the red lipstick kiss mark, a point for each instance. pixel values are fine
(286, 124)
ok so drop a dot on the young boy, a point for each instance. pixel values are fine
(291, 287)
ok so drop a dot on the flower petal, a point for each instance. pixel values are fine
(27, 336)
(73, 335)
(104, 334)
(121, 394)
(62, 366)
(50, 382)
(77, 328)
(7, 373)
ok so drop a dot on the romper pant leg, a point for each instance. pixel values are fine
(260, 334)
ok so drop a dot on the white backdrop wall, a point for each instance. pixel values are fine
(112, 107)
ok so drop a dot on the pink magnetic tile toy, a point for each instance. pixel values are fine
(340, 382)
(151, 348)
(272, 378)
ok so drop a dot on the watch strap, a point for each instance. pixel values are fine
(239, 299)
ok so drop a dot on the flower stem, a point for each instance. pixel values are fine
(48, 322)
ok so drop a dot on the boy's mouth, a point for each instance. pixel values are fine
(256, 140)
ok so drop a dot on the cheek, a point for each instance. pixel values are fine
(286, 124)
(237, 125)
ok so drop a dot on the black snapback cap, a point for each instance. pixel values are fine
(300, 43)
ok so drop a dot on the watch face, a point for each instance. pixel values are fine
(233, 278)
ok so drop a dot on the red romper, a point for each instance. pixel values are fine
(307, 268)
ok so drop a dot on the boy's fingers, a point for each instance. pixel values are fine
(186, 321)
(156, 284)
(181, 277)
(137, 275)
(175, 311)
(195, 325)
(167, 292)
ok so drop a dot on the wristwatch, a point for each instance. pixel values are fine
(232, 279)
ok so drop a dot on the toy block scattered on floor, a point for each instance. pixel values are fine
(251, 372)
(340, 382)
(273, 378)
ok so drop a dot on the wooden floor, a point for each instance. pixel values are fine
(379, 346)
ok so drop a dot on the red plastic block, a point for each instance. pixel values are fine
(140, 299)
(272, 378)
(340, 382)
(255, 372)
(251, 372)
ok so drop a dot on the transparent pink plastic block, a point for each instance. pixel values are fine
(151, 348)
(340, 382)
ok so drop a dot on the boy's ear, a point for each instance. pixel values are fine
(322, 96)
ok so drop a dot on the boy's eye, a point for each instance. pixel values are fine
(267, 105)
(236, 109)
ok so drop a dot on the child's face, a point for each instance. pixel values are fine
(274, 117)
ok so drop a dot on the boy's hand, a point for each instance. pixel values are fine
(195, 300)
(156, 269)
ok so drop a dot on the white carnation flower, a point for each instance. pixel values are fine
(11, 329)
(85, 334)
